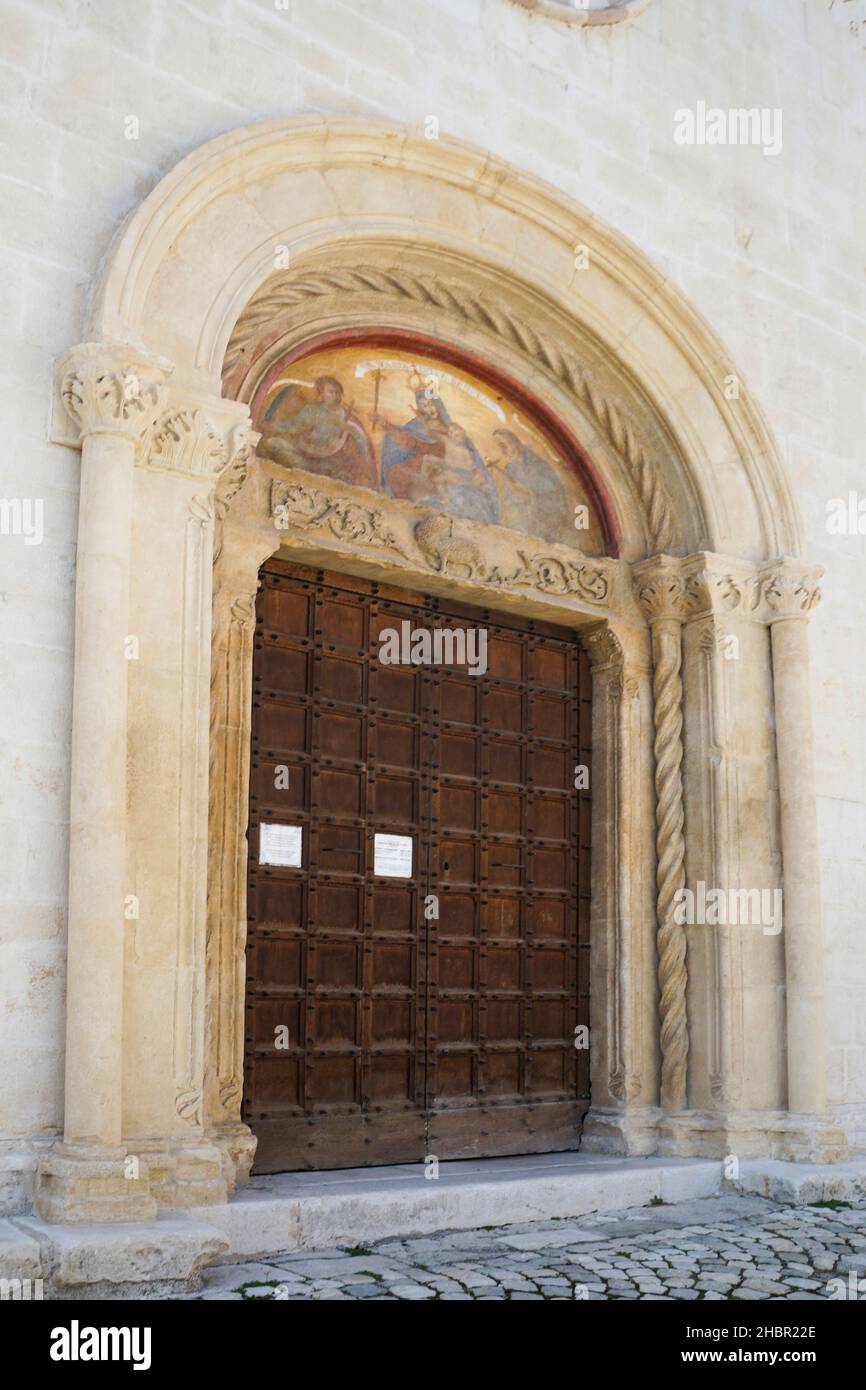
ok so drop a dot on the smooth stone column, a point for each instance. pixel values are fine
(114, 396)
(790, 602)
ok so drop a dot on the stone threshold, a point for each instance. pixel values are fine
(799, 1184)
(350, 1207)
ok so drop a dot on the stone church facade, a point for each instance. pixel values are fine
(203, 204)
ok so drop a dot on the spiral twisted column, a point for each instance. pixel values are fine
(664, 597)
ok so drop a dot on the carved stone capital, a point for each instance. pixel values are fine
(241, 448)
(195, 440)
(187, 441)
(714, 586)
(112, 390)
(788, 589)
(662, 589)
(707, 585)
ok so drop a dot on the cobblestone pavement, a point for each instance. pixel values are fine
(715, 1248)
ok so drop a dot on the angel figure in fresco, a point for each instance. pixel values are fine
(322, 435)
(532, 497)
(432, 460)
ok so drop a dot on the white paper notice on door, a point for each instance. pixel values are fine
(392, 856)
(281, 845)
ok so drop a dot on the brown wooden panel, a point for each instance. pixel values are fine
(406, 1036)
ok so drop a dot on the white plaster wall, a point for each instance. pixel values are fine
(771, 250)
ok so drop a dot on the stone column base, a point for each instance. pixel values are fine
(775, 1134)
(810, 1139)
(237, 1146)
(630, 1133)
(87, 1183)
(84, 1182)
(183, 1172)
(18, 1160)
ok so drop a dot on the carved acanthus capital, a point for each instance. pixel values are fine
(713, 591)
(194, 440)
(113, 390)
(663, 590)
(187, 441)
(726, 588)
(788, 590)
(707, 585)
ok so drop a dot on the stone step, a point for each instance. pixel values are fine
(310, 1211)
(291, 1211)
(801, 1183)
(294, 1211)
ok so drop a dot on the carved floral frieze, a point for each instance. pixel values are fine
(664, 587)
(297, 507)
(441, 544)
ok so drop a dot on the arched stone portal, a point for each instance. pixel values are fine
(706, 1039)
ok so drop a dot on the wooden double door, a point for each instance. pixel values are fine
(418, 895)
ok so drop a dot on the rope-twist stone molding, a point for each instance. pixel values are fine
(670, 872)
(667, 598)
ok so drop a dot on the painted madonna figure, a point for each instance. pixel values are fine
(432, 460)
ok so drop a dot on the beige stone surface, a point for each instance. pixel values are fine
(98, 1261)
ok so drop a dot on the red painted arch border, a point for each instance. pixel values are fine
(554, 431)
